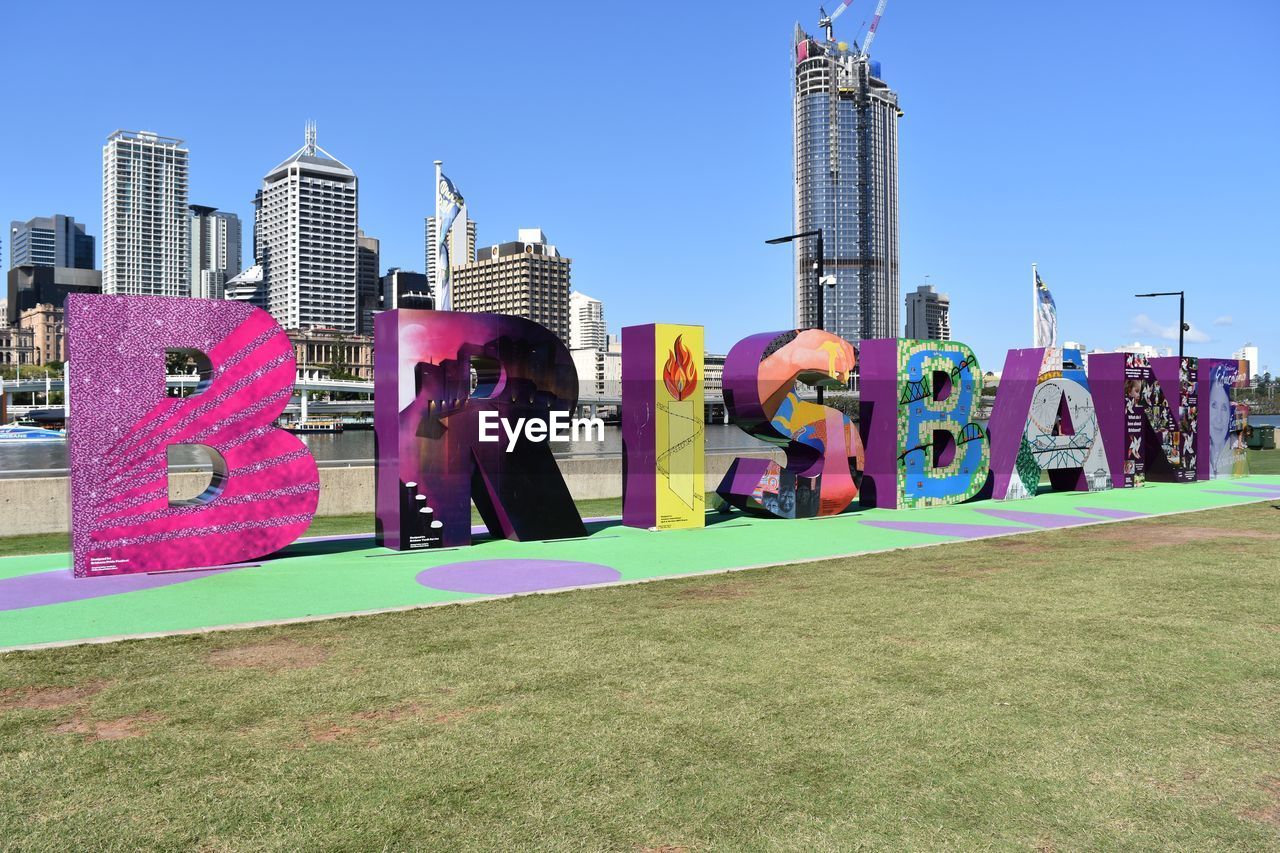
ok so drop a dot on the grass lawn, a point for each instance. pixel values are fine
(1114, 687)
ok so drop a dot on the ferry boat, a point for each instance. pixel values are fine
(315, 425)
(13, 433)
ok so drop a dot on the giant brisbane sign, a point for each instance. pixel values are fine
(465, 404)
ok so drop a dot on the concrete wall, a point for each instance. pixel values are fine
(40, 505)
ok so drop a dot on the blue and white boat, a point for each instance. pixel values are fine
(14, 433)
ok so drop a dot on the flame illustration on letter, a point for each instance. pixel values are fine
(679, 374)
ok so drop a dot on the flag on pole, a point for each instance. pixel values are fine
(1046, 314)
(448, 203)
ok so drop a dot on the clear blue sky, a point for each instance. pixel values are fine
(1124, 146)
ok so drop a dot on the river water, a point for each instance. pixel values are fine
(355, 447)
(349, 448)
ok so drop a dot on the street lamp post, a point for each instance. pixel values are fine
(819, 269)
(1182, 312)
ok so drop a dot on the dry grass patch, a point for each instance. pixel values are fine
(1269, 813)
(1144, 536)
(49, 698)
(272, 657)
(133, 725)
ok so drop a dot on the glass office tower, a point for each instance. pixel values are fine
(846, 173)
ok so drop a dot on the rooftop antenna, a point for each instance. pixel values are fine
(310, 146)
(826, 20)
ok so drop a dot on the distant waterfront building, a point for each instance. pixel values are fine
(47, 326)
(16, 347)
(249, 287)
(50, 241)
(145, 233)
(306, 240)
(462, 245)
(328, 352)
(599, 371)
(404, 289)
(215, 250)
(1249, 353)
(846, 184)
(928, 315)
(30, 286)
(525, 278)
(368, 251)
(586, 322)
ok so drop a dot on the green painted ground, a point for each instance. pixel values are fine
(313, 579)
(1108, 689)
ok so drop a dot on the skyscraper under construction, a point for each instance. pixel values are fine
(846, 174)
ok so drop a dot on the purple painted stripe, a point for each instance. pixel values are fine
(1258, 495)
(941, 528)
(505, 577)
(60, 586)
(1039, 519)
(1265, 487)
(1111, 513)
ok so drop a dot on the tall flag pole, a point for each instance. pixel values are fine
(1046, 312)
(448, 204)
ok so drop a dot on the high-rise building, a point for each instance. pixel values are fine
(586, 322)
(4, 313)
(1249, 352)
(928, 315)
(248, 286)
(846, 184)
(50, 241)
(215, 250)
(368, 280)
(30, 286)
(145, 234)
(404, 289)
(525, 278)
(462, 245)
(305, 229)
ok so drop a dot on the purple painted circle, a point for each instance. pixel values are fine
(504, 577)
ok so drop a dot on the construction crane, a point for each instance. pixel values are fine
(871, 33)
(826, 20)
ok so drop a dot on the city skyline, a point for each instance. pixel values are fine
(987, 185)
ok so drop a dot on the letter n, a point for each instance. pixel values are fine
(434, 373)
(265, 485)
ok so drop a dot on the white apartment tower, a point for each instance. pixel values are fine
(586, 323)
(462, 245)
(145, 233)
(215, 251)
(306, 239)
(928, 315)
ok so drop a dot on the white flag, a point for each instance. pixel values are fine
(1046, 315)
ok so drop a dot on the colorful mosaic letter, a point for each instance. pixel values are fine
(664, 465)
(822, 444)
(427, 420)
(919, 399)
(1044, 420)
(265, 485)
(1223, 422)
(1145, 436)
